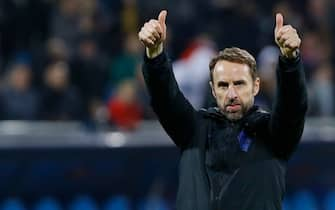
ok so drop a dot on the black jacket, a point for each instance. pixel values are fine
(252, 174)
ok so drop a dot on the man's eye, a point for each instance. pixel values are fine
(239, 83)
(223, 85)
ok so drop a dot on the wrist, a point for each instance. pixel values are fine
(154, 51)
(291, 55)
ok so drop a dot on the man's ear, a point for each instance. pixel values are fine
(256, 87)
(212, 88)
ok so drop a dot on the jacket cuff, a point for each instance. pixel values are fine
(159, 60)
(288, 64)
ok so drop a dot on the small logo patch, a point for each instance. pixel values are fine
(244, 141)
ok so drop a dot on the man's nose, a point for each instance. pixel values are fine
(232, 93)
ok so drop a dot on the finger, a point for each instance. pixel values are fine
(149, 35)
(285, 29)
(162, 17)
(153, 29)
(148, 42)
(284, 37)
(150, 31)
(153, 33)
(156, 25)
(293, 43)
(290, 44)
(145, 37)
(145, 41)
(288, 35)
(279, 21)
(139, 35)
(149, 28)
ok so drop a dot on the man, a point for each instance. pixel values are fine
(233, 157)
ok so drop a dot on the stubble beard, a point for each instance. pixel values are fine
(234, 116)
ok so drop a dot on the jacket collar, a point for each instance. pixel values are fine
(214, 112)
(255, 120)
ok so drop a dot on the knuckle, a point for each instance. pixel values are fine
(156, 26)
(152, 30)
(152, 33)
(152, 21)
(149, 29)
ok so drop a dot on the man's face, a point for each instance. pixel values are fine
(233, 88)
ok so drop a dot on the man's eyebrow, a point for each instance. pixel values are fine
(222, 83)
(241, 81)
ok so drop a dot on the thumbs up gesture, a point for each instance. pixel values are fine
(287, 38)
(153, 34)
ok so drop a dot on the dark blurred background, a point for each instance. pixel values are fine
(76, 128)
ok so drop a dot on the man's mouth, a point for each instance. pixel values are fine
(233, 107)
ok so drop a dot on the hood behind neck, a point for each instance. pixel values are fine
(214, 112)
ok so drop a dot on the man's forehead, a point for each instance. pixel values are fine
(228, 65)
(229, 70)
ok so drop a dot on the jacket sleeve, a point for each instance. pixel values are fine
(174, 112)
(289, 108)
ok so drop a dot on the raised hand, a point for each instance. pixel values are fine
(153, 34)
(286, 37)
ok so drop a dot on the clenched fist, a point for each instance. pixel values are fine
(153, 34)
(286, 37)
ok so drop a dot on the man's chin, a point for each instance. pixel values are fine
(233, 116)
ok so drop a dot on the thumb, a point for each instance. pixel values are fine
(162, 17)
(279, 21)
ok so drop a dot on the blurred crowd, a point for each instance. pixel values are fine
(81, 60)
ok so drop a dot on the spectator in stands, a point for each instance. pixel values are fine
(194, 60)
(60, 100)
(54, 50)
(291, 16)
(267, 62)
(88, 72)
(124, 109)
(315, 50)
(87, 12)
(143, 96)
(322, 91)
(318, 14)
(129, 17)
(65, 22)
(124, 65)
(18, 100)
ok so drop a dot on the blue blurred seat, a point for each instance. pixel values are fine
(47, 203)
(329, 201)
(83, 202)
(305, 200)
(117, 203)
(153, 203)
(287, 204)
(12, 204)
